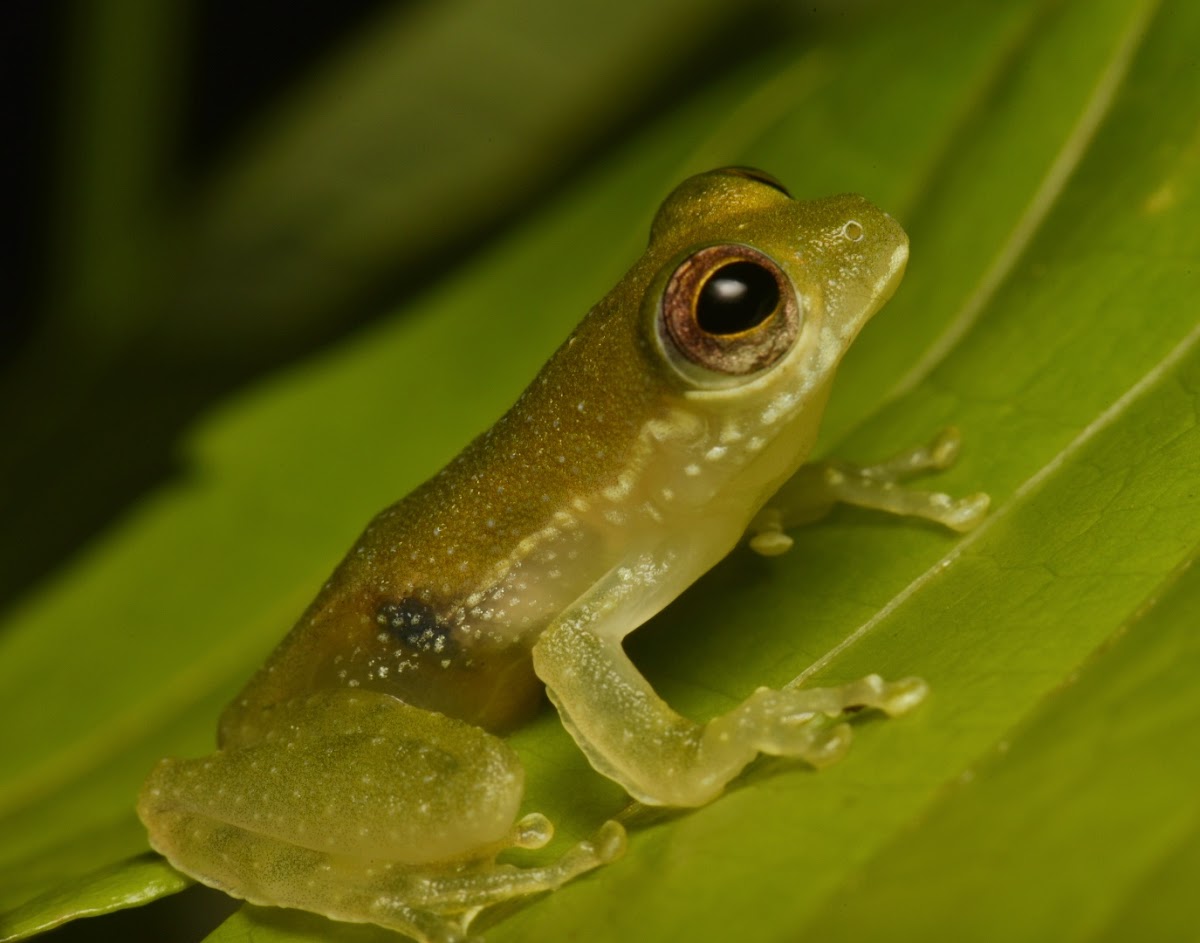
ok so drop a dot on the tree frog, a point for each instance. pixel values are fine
(360, 773)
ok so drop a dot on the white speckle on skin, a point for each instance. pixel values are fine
(621, 489)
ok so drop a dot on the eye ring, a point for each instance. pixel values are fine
(729, 309)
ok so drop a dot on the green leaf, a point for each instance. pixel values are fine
(1108, 762)
(1046, 163)
(125, 884)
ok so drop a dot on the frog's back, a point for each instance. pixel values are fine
(443, 595)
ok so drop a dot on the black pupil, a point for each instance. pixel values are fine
(736, 298)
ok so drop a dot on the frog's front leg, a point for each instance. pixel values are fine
(355, 805)
(816, 488)
(661, 758)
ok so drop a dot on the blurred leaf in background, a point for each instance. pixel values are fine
(198, 238)
(478, 174)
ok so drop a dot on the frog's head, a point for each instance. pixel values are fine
(756, 299)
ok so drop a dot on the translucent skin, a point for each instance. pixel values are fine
(357, 776)
(558, 491)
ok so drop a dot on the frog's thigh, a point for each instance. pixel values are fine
(632, 736)
(339, 774)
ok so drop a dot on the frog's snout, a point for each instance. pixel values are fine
(871, 238)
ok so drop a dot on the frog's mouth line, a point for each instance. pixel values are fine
(885, 286)
(889, 281)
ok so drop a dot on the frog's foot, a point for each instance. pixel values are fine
(816, 488)
(479, 886)
(879, 486)
(441, 904)
(807, 723)
(934, 456)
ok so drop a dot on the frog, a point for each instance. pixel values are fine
(362, 773)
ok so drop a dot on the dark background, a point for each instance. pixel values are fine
(238, 59)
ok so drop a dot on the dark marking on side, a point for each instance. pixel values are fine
(415, 625)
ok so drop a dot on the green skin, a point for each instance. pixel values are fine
(359, 775)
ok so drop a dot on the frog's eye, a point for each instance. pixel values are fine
(729, 309)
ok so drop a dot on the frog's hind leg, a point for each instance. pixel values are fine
(438, 904)
(816, 488)
(354, 805)
(435, 903)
